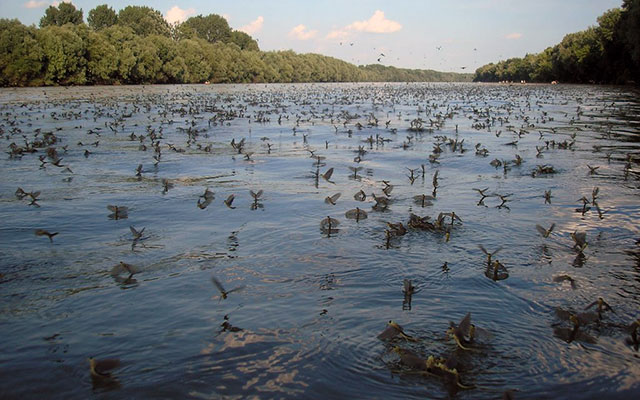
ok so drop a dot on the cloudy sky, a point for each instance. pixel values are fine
(432, 34)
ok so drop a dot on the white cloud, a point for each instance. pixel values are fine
(340, 34)
(300, 32)
(177, 14)
(226, 16)
(514, 35)
(36, 4)
(253, 26)
(376, 24)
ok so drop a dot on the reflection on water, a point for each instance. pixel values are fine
(241, 240)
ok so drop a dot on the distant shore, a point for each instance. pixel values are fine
(608, 53)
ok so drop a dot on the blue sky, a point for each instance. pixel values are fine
(440, 35)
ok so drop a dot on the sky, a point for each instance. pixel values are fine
(456, 35)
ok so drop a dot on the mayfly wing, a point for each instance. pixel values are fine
(237, 289)
(327, 175)
(217, 284)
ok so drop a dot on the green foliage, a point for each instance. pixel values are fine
(102, 17)
(381, 73)
(192, 53)
(542, 67)
(144, 21)
(121, 38)
(576, 57)
(629, 31)
(609, 52)
(212, 28)
(20, 54)
(147, 61)
(64, 56)
(138, 46)
(65, 13)
(101, 68)
(607, 24)
(244, 41)
(173, 68)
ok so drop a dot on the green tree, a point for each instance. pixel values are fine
(102, 17)
(276, 61)
(144, 21)
(244, 41)
(219, 58)
(614, 58)
(102, 67)
(64, 56)
(543, 67)
(173, 69)
(608, 52)
(65, 13)
(253, 67)
(273, 70)
(212, 28)
(137, 46)
(192, 53)
(629, 28)
(148, 66)
(576, 57)
(122, 39)
(20, 54)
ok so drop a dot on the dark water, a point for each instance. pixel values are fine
(314, 303)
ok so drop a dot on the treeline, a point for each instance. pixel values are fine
(606, 53)
(137, 45)
(381, 73)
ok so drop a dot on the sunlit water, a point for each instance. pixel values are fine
(314, 303)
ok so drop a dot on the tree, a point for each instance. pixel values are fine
(20, 54)
(630, 32)
(64, 56)
(608, 52)
(102, 17)
(173, 68)
(65, 13)
(192, 52)
(137, 46)
(615, 59)
(122, 39)
(577, 56)
(144, 21)
(101, 68)
(244, 41)
(212, 28)
(543, 67)
(148, 65)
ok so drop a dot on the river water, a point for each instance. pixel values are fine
(311, 302)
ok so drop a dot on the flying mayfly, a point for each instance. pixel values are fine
(224, 293)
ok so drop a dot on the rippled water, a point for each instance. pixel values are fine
(314, 303)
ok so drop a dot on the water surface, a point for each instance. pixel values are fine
(314, 303)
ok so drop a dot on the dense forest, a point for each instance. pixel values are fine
(136, 45)
(606, 53)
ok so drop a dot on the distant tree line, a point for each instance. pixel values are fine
(136, 45)
(606, 53)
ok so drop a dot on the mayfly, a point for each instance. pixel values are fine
(118, 212)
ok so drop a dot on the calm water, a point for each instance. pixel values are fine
(314, 303)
